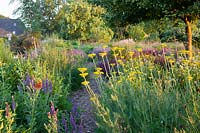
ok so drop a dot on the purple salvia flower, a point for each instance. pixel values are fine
(43, 86)
(73, 122)
(64, 123)
(50, 87)
(74, 111)
(46, 85)
(13, 104)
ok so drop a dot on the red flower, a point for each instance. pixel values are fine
(38, 84)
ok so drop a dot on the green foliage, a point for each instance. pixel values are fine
(136, 32)
(83, 21)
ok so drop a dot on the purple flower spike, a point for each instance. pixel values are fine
(73, 122)
(74, 111)
(64, 123)
(52, 109)
(50, 87)
(13, 104)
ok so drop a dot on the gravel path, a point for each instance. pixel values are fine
(82, 100)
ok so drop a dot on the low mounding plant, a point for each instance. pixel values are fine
(141, 96)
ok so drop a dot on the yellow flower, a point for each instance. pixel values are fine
(82, 70)
(98, 73)
(85, 83)
(130, 53)
(102, 54)
(105, 46)
(171, 61)
(185, 61)
(98, 68)
(120, 61)
(139, 49)
(114, 49)
(163, 45)
(122, 57)
(83, 75)
(189, 78)
(115, 55)
(91, 55)
(112, 64)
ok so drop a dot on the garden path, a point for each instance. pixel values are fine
(82, 100)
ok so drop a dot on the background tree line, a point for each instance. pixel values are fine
(94, 20)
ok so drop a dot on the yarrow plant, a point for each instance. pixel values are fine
(148, 91)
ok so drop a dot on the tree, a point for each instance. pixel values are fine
(186, 10)
(29, 11)
(49, 10)
(132, 11)
(83, 21)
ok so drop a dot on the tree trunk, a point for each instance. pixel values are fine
(189, 37)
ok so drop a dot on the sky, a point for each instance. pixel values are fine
(6, 9)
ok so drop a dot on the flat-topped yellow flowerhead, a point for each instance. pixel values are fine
(82, 69)
(85, 83)
(92, 55)
(98, 68)
(102, 54)
(83, 75)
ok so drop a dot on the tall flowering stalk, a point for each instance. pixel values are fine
(32, 86)
(52, 127)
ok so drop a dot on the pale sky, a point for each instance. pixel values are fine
(6, 9)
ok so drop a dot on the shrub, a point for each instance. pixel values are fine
(136, 32)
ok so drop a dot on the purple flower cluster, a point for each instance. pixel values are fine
(75, 126)
(47, 86)
(28, 82)
(76, 52)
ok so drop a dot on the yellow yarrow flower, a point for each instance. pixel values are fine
(131, 53)
(85, 83)
(83, 75)
(102, 54)
(189, 78)
(114, 49)
(82, 70)
(91, 55)
(97, 73)
(98, 68)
